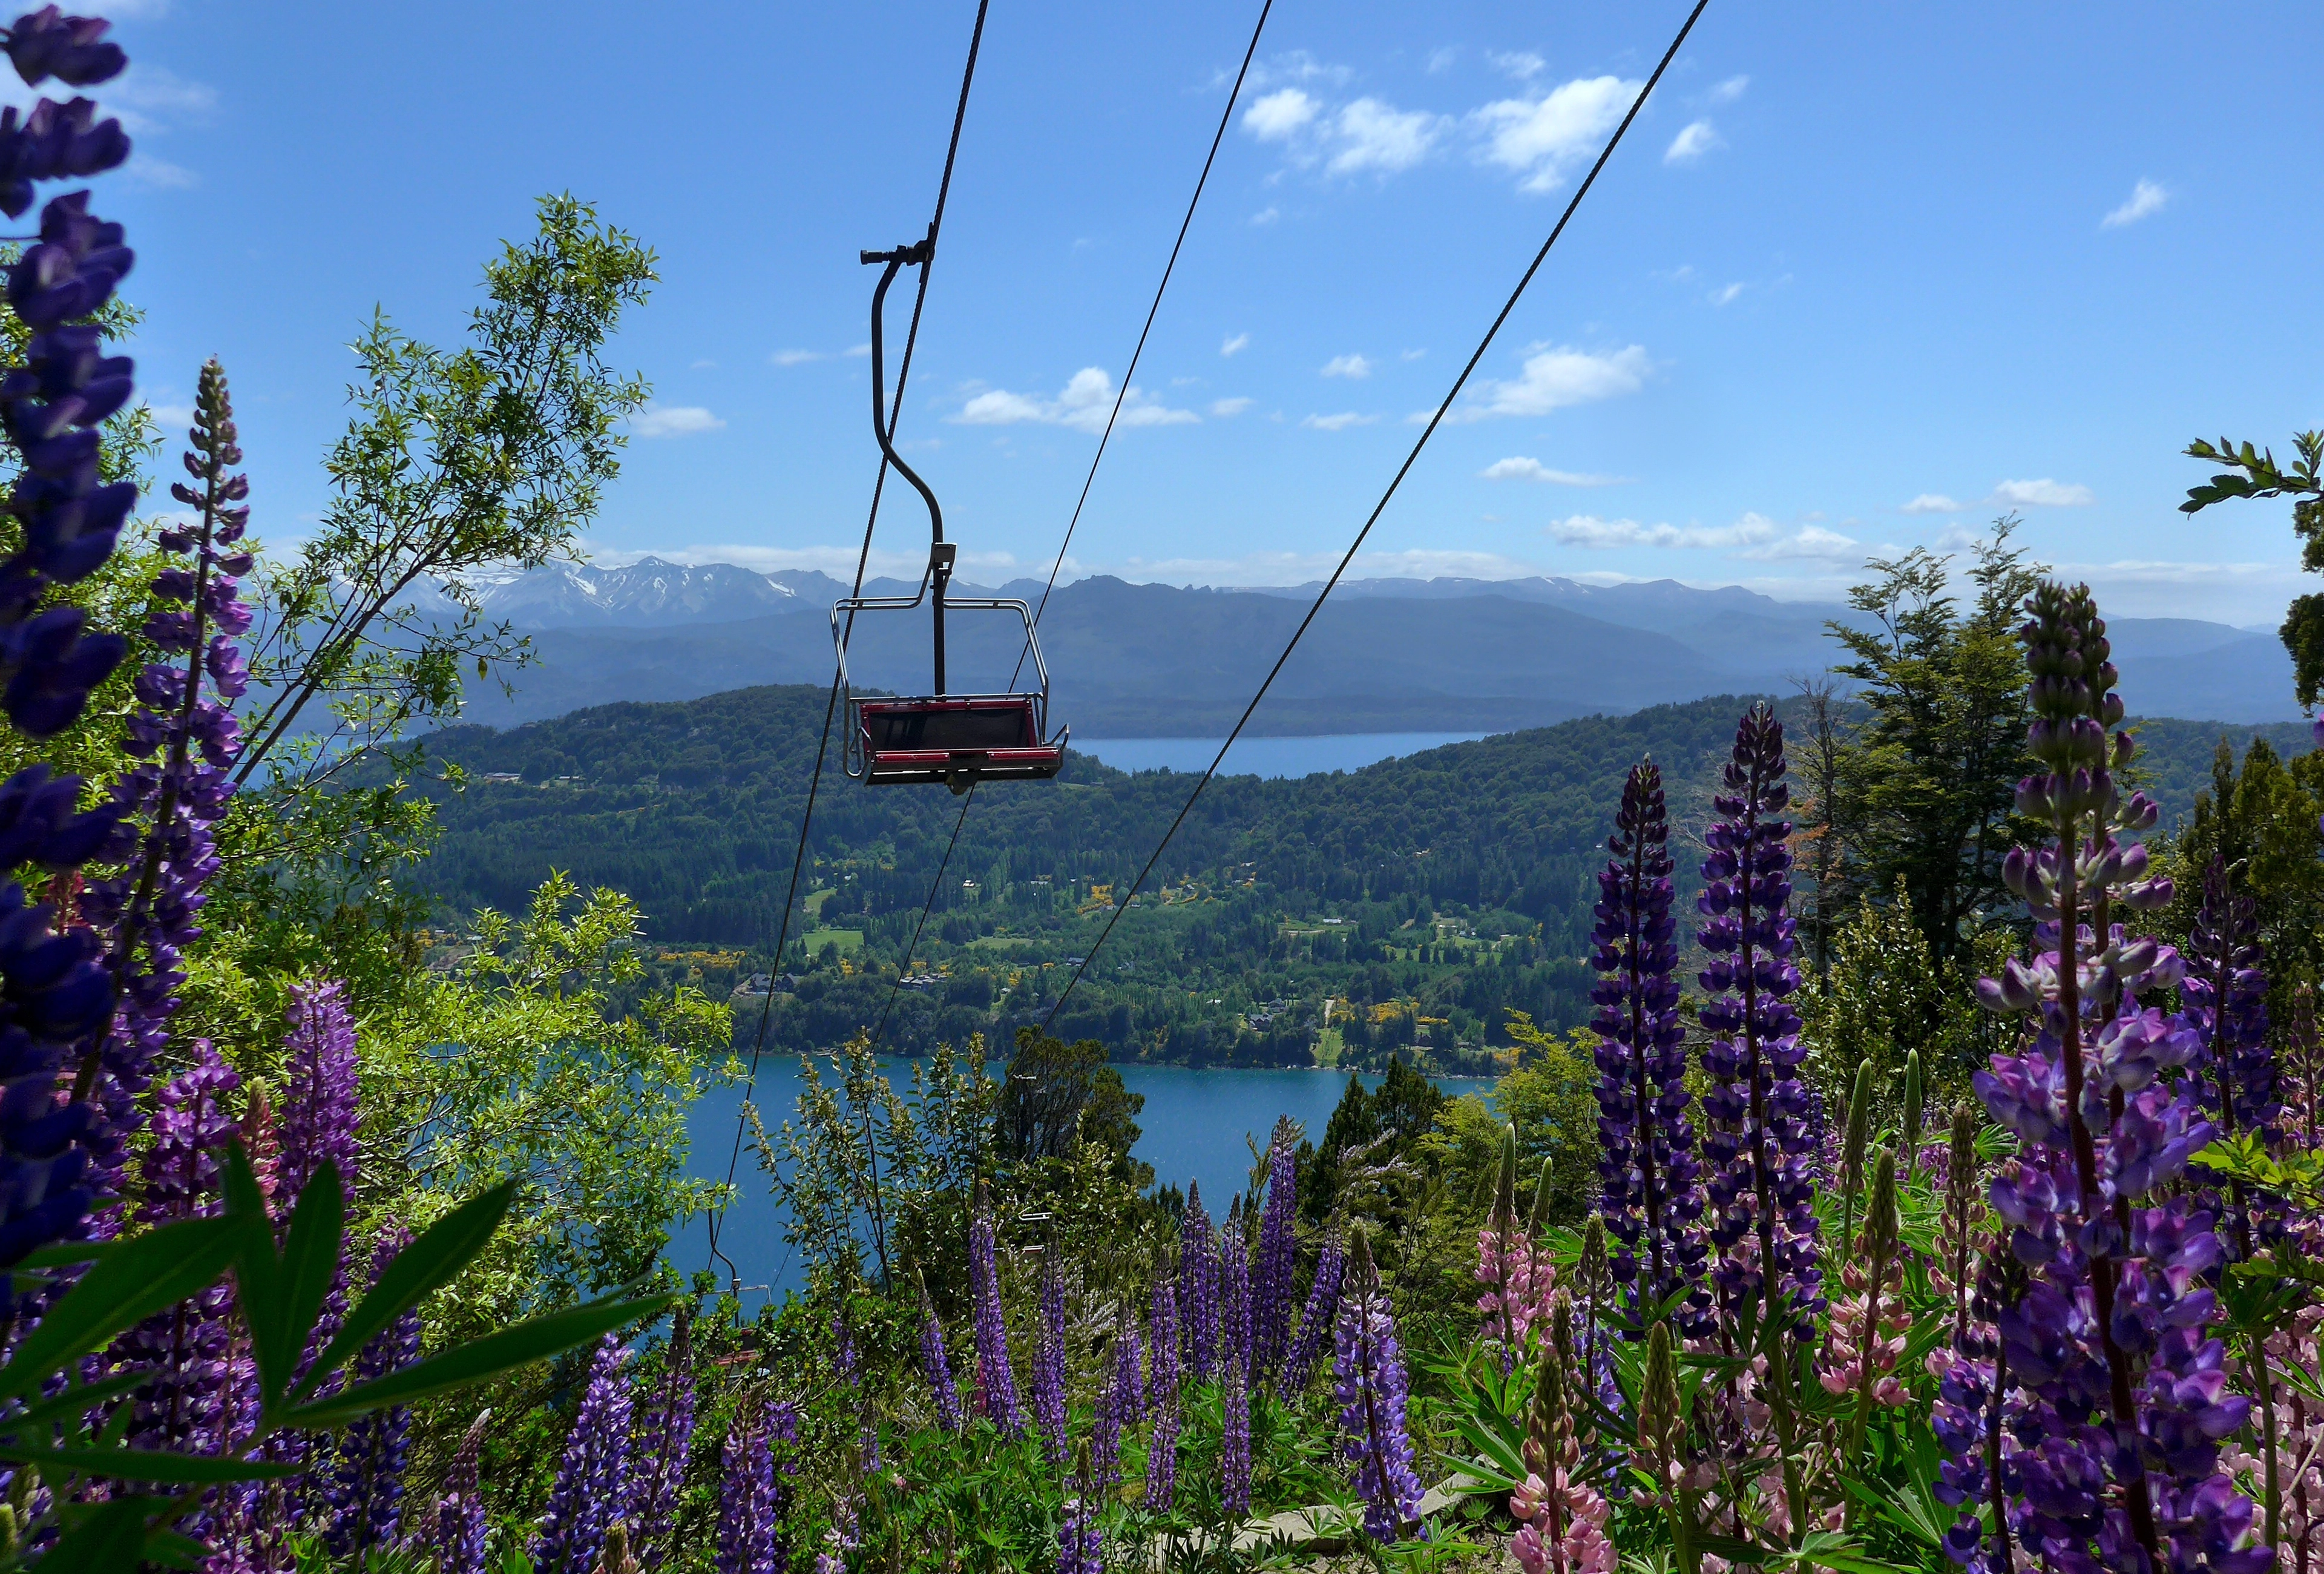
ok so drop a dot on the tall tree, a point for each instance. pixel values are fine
(1926, 785)
(1819, 739)
(2254, 473)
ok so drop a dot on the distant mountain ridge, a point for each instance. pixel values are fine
(1166, 661)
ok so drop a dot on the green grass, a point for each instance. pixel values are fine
(1328, 1045)
(815, 899)
(849, 940)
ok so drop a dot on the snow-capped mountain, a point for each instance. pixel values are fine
(647, 594)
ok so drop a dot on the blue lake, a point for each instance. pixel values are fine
(1196, 1125)
(1267, 756)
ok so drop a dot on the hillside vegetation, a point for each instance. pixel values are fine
(1422, 896)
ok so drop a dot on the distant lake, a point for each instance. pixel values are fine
(1192, 1128)
(1267, 756)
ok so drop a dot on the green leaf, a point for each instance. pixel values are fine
(487, 1357)
(111, 1540)
(312, 1256)
(74, 1402)
(258, 1275)
(135, 1279)
(428, 1264)
(147, 1465)
(70, 1254)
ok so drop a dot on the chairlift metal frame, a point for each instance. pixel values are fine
(957, 739)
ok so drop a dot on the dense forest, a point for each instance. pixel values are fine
(1423, 897)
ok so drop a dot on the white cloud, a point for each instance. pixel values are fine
(1556, 376)
(2043, 494)
(1266, 215)
(2146, 198)
(1340, 422)
(1235, 342)
(1725, 294)
(172, 415)
(160, 174)
(673, 421)
(1932, 503)
(148, 98)
(1519, 468)
(1375, 135)
(1084, 403)
(1347, 366)
(1755, 536)
(797, 357)
(1728, 92)
(1414, 355)
(1297, 66)
(862, 350)
(1523, 64)
(1541, 138)
(1279, 115)
(1696, 139)
(703, 366)
(1441, 59)
(1225, 407)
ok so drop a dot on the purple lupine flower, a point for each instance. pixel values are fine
(1270, 1284)
(1234, 1440)
(55, 999)
(1162, 1340)
(665, 1434)
(2117, 1391)
(458, 1542)
(1316, 1320)
(996, 1384)
(318, 1117)
(1198, 1286)
(1369, 1383)
(1235, 1289)
(2224, 993)
(747, 1504)
(1651, 1200)
(183, 1406)
(71, 49)
(593, 1480)
(1080, 1538)
(1760, 1192)
(937, 1367)
(1162, 1455)
(1049, 1362)
(185, 735)
(1118, 1403)
(50, 408)
(368, 1486)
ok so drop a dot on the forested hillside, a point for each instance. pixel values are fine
(1431, 892)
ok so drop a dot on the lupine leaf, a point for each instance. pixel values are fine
(489, 1356)
(135, 1280)
(148, 1465)
(433, 1260)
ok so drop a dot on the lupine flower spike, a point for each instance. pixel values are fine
(1271, 1286)
(1652, 1198)
(1757, 1143)
(1505, 1263)
(1563, 1517)
(2109, 1347)
(460, 1540)
(1315, 1319)
(593, 1482)
(1049, 1361)
(1368, 1368)
(665, 1434)
(1198, 1287)
(746, 1497)
(996, 1384)
(935, 1366)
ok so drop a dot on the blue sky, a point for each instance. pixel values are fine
(1862, 277)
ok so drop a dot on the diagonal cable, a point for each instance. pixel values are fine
(1402, 470)
(718, 1218)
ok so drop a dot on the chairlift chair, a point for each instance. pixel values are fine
(957, 739)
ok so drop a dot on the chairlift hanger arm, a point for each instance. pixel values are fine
(914, 255)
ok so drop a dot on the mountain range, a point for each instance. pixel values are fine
(1153, 659)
